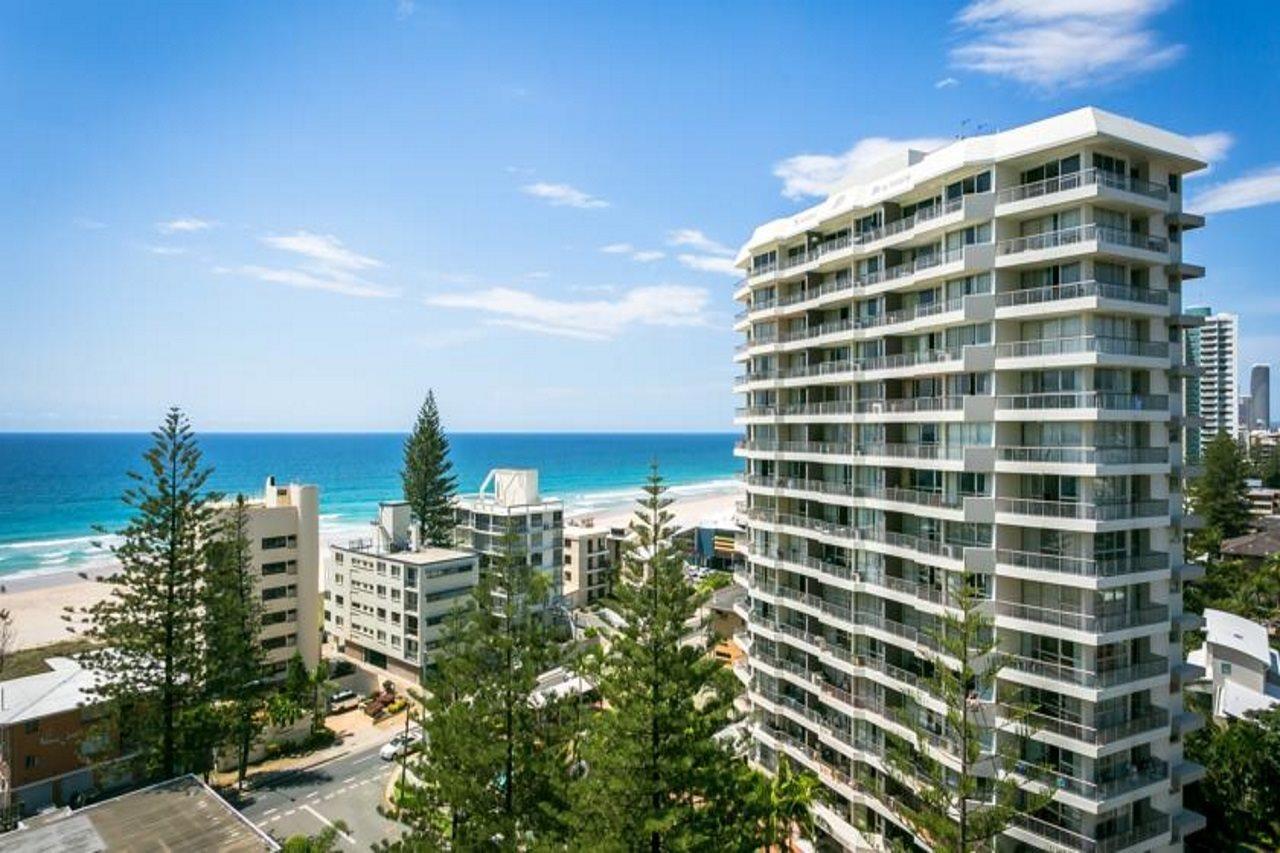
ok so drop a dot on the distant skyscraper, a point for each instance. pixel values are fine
(1243, 411)
(1191, 351)
(1217, 345)
(1260, 392)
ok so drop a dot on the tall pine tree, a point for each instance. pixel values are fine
(965, 791)
(1219, 494)
(148, 633)
(234, 659)
(496, 759)
(654, 776)
(429, 482)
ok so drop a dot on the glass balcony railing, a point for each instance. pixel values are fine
(1079, 290)
(1083, 566)
(1082, 344)
(1108, 400)
(1080, 234)
(1109, 511)
(1075, 180)
(1093, 679)
(1154, 614)
(1085, 455)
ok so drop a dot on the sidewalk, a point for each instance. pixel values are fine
(356, 730)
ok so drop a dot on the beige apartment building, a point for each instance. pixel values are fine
(284, 544)
(387, 597)
(966, 366)
(587, 564)
(508, 502)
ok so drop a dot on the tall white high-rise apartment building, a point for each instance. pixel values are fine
(966, 366)
(1219, 343)
(508, 502)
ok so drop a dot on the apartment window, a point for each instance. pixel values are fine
(273, 593)
(280, 568)
(1224, 667)
(410, 625)
(270, 543)
(382, 613)
(338, 599)
(337, 557)
(279, 617)
(979, 183)
(337, 579)
(30, 762)
(1107, 163)
(411, 576)
(32, 726)
(1175, 183)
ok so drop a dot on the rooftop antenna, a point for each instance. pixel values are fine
(963, 123)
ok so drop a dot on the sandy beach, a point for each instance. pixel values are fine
(37, 601)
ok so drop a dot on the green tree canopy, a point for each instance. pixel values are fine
(429, 482)
(1219, 494)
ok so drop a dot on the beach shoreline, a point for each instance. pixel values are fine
(37, 599)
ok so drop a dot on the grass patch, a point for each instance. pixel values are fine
(26, 662)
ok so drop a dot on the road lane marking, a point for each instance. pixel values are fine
(271, 811)
(348, 779)
(366, 758)
(330, 824)
(313, 794)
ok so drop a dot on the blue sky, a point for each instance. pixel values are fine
(302, 215)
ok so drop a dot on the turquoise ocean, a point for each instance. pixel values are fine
(56, 488)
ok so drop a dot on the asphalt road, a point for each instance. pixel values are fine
(302, 802)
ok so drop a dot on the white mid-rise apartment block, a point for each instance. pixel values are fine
(1218, 341)
(284, 548)
(587, 564)
(387, 598)
(968, 362)
(508, 502)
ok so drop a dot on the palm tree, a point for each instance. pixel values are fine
(788, 807)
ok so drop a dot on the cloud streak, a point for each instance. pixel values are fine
(563, 195)
(185, 225)
(322, 262)
(806, 175)
(1251, 190)
(588, 320)
(1062, 44)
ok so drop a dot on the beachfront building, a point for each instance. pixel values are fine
(387, 596)
(1218, 346)
(508, 504)
(1240, 669)
(50, 754)
(587, 567)
(284, 548)
(963, 367)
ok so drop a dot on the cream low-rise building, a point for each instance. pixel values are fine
(284, 547)
(965, 366)
(387, 598)
(587, 564)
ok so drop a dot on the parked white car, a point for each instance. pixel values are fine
(402, 743)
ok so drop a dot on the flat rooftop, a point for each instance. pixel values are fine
(66, 686)
(422, 557)
(181, 814)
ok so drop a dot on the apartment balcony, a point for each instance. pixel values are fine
(1102, 733)
(1076, 620)
(1080, 456)
(854, 664)
(1085, 567)
(1083, 349)
(912, 547)
(1045, 835)
(1080, 296)
(834, 409)
(1082, 405)
(1082, 510)
(1077, 185)
(843, 616)
(1081, 239)
(1090, 679)
(1105, 787)
(898, 498)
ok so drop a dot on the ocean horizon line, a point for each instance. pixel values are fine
(327, 432)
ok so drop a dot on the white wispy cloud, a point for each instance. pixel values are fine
(322, 262)
(818, 174)
(643, 256)
(185, 225)
(1062, 44)
(1251, 190)
(322, 248)
(709, 263)
(692, 238)
(592, 320)
(563, 195)
(1214, 147)
(346, 285)
(946, 83)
